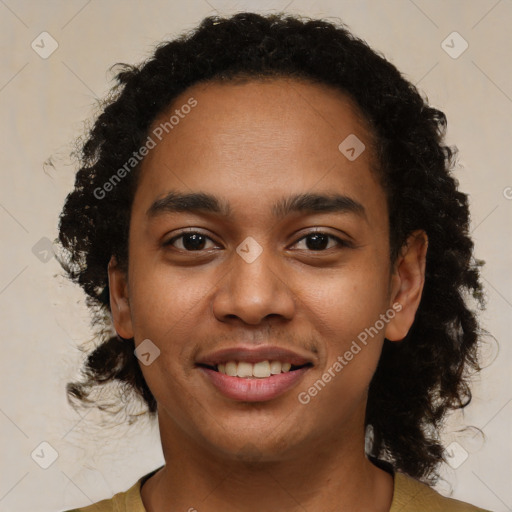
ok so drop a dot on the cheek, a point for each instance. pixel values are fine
(348, 299)
(346, 311)
(351, 348)
(165, 309)
(162, 299)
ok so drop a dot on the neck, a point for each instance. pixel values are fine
(334, 475)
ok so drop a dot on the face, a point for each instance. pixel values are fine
(285, 261)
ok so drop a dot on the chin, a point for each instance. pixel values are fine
(254, 445)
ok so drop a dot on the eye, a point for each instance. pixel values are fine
(319, 241)
(195, 241)
(190, 241)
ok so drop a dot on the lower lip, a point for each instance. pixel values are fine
(255, 389)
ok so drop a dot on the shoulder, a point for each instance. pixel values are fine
(411, 495)
(126, 501)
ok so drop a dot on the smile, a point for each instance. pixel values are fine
(259, 370)
(253, 374)
(253, 382)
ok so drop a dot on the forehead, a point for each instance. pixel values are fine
(251, 140)
(286, 115)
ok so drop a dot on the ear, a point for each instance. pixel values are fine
(119, 303)
(407, 285)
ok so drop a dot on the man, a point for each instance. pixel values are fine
(266, 210)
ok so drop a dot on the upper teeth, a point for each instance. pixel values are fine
(260, 370)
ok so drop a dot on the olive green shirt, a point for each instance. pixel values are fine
(409, 495)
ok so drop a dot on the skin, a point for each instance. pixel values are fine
(251, 144)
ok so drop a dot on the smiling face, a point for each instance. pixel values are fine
(253, 238)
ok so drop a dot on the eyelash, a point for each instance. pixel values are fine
(340, 242)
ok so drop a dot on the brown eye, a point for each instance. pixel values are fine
(190, 241)
(318, 241)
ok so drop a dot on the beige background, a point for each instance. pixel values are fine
(44, 103)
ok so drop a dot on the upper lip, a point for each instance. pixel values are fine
(254, 355)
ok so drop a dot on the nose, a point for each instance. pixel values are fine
(254, 290)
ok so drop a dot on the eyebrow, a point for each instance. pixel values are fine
(200, 202)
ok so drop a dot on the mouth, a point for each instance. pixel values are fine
(259, 370)
(254, 374)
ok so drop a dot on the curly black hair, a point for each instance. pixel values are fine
(418, 380)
